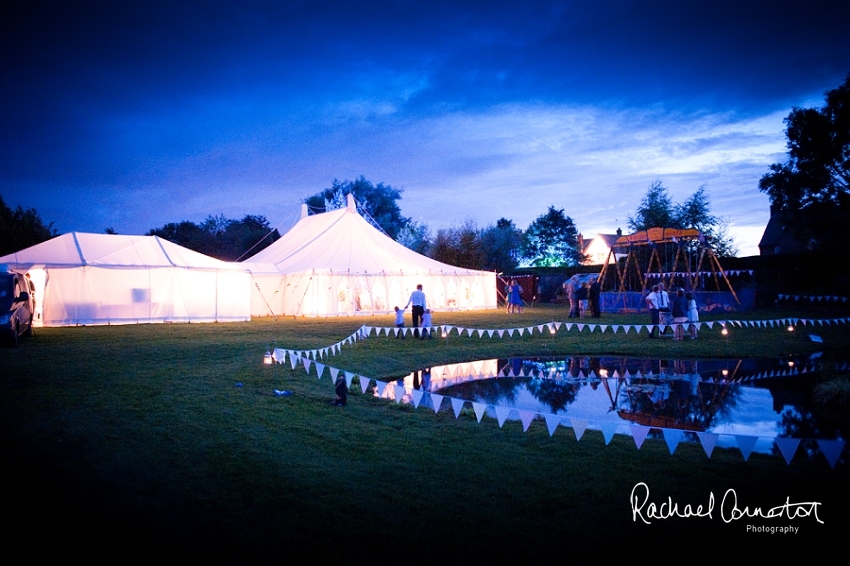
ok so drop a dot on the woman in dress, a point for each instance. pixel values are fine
(516, 297)
(680, 314)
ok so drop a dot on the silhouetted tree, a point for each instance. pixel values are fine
(378, 201)
(21, 228)
(812, 189)
(220, 237)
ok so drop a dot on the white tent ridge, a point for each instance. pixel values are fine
(337, 264)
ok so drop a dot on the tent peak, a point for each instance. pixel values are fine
(350, 205)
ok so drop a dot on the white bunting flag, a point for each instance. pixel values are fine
(479, 410)
(399, 392)
(608, 430)
(672, 436)
(381, 385)
(364, 384)
(787, 447)
(708, 441)
(831, 449)
(457, 406)
(746, 443)
(320, 369)
(526, 417)
(579, 426)
(552, 422)
(436, 400)
(502, 414)
(348, 378)
(417, 397)
(639, 434)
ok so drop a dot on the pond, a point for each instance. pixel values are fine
(758, 399)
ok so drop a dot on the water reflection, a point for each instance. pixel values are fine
(766, 398)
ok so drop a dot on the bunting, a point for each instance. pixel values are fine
(831, 449)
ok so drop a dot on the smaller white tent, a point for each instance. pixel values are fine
(336, 263)
(116, 279)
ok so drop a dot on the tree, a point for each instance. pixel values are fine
(501, 246)
(220, 237)
(415, 236)
(21, 229)
(812, 189)
(657, 209)
(551, 241)
(459, 245)
(378, 202)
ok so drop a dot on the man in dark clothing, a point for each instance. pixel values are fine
(594, 296)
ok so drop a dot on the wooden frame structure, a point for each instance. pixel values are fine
(655, 237)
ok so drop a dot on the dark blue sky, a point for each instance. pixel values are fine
(133, 116)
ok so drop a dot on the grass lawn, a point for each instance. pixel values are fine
(129, 441)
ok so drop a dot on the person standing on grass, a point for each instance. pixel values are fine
(593, 296)
(399, 323)
(693, 314)
(426, 325)
(419, 302)
(680, 314)
(652, 304)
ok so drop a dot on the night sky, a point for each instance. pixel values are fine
(130, 117)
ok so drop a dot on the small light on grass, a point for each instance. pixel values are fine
(268, 359)
(790, 328)
(603, 373)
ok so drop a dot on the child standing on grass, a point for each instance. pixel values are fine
(399, 323)
(426, 325)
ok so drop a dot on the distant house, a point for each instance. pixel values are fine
(778, 237)
(598, 249)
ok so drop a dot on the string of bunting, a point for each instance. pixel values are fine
(730, 272)
(813, 299)
(312, 361)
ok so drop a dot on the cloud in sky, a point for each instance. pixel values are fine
(132, 116)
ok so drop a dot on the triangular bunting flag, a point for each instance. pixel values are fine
(552, 422)
(608, 430)
(457, 406)
(526, 417)
(579, 426)
(320, 369)
(502, 414)
(349, 377)
(381, 385)
(399, 392)
(639, 434)
(436, 400)
(479, 410)
(672, 436)
(746, 443)
(568, 325)
(364, 383)
(787, 447)
(831, 449)
(293, 359)
(501, 333)
(417, 397)
(306, 362)
(708, 440)
(334, 372)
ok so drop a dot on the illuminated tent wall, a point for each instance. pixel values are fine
(336, 263)
(115, 279)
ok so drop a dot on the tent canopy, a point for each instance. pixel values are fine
(341, 241)
(336, 263)
(117, 279)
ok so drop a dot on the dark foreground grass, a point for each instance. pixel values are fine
(125, 442)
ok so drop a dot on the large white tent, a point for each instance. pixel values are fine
(115, 279)
(336, 263)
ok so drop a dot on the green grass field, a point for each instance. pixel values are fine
(137, 436)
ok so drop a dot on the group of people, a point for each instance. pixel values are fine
(421, 314)
(583, 297)
(683, 310)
